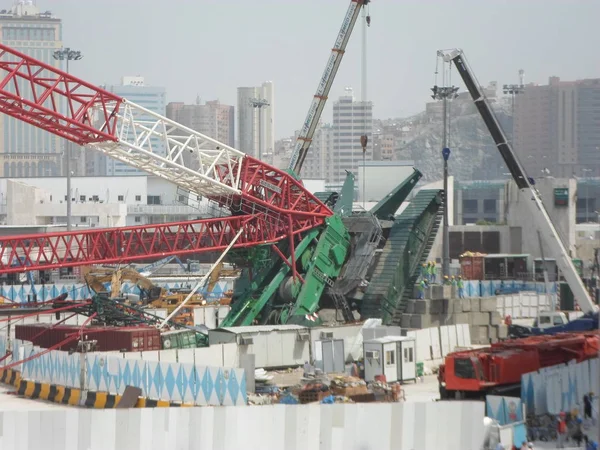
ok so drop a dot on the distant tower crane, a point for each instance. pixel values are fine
(320, 98)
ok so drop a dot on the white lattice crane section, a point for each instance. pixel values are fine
(155, 144)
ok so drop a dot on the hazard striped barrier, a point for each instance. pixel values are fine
(71, 396)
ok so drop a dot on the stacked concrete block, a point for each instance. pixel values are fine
(481, 314)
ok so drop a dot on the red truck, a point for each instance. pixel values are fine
(497, 369)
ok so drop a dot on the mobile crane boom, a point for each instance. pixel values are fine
(316, 108)
(541, 218)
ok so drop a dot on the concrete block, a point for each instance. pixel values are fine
(488, 304)
(436, 306)
(502, 331)
(422, 306)
(420, 321)
(479, 334)
(453, 292)
(479, 318)
(474, 304)
(448, 292)
(495, 318)
(427, 294)
(465, 304)
(493, 333)
(437, 292)
(410, 307)
(459, 318)
(405, 322)
(444, 306)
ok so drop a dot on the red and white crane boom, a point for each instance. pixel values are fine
(271, 203)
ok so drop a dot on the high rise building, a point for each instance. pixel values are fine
(351, 120)
(212, 119)
(248, 120)
(135, 90)
(318, 164)
(26, 151)
(557, 128)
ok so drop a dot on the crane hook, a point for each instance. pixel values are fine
(368, 21)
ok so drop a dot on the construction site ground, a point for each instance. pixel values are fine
(420, 391)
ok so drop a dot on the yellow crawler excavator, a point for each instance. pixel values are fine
(151, 296)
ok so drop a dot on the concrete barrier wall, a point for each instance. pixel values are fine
(393, 426)
(108, 372)
(560, 388)
(435, 343)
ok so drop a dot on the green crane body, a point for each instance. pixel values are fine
(268, 293)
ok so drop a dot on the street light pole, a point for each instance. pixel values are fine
(67, 54)
(513, 90)
(259, 103)
(445, 93)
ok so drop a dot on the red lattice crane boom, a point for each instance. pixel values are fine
(267, 202)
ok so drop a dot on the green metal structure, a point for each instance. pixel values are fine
(407, 246)
(333, 261)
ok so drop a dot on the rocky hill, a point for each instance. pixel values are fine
(474, 155)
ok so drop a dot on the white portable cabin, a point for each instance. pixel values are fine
(392, 356)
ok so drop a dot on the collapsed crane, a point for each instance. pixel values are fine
(294, 246)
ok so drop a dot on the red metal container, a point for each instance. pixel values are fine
(472, 267)
(108, 338)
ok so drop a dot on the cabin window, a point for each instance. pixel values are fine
(463, 368)
(389, 358)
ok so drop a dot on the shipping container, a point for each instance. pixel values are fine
(178, 339)
(133, 339)
(472, 267)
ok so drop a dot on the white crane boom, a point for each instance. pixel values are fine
(316, 108)
(542, 220)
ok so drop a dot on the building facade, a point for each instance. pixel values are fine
(25, 150)
(249, 120)
(98, 202)
(557, 128)
(351, 120)
(317, 164)
(212, 119)
(135, 90)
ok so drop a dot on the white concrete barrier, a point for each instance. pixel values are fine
(394, 426)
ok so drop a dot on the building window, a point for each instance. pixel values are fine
(138, 219)
(83, 219)
(120, 198)
(389, 358)
(489, 206)
(469, 206)
(138, 198)
(181, 199)
(154, 200)
(82, 198)
(95, 198)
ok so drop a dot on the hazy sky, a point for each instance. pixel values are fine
(210, 47)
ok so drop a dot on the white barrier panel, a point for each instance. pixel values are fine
(397, 426)
(559, 388)
(436, 349)
(523, 305)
